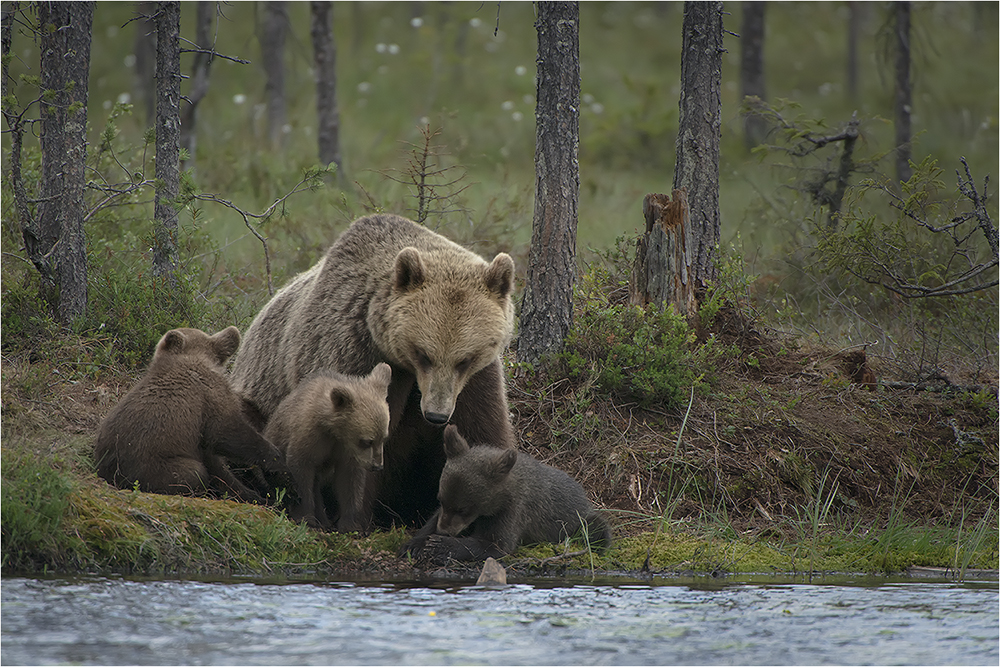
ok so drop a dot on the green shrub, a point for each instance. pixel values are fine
(648, 355)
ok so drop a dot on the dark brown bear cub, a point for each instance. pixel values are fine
(169, 434)
(493, 500)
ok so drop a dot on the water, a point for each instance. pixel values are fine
(122, 621)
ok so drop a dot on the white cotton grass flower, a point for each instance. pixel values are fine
(393, 49)
(520, 70)
(239, 98)
(475, 22)
(381, 48)
(130, 60)
(517, 116)
(507, 106)
(124, 98)
(364, 87)
(416, 21)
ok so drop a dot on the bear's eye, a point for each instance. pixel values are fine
(422, 359)
(366, 444)
(464, 365)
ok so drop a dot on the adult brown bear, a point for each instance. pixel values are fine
(175, 430)
(389, 290)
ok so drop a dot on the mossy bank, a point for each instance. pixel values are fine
(775, 463)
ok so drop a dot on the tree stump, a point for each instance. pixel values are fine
(662, 271)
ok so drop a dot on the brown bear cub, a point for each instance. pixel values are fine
(493, 500)
(172, 432)
(331, 429)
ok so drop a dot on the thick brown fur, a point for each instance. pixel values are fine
(174, 430)
(332, 429)
(493, 500)
(389, 290)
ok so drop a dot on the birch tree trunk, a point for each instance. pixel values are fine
(547, 304)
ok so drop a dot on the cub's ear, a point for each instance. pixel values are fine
(499, 276)
(382, 374)
(454, 443)
(409, 270)
(172, 342)
(341, 398)
(505, 463)
(226, 342)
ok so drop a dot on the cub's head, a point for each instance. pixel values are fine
(213, 350)
(446, 319)
(359, 417)
(472, 482)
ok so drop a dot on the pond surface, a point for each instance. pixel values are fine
(127, 621)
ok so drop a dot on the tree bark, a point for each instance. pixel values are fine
(547, 304)
(199, 81)
(60, 244)
(903, 107)
(325, 55)
(699, 133)
(752, 69)
(662, 270)
(272, 45)
(168, 93)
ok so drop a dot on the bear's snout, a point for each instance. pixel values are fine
(437, 418)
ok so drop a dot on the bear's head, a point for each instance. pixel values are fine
(472, 483)
(359, 416)
(445, 320)
(194, 343)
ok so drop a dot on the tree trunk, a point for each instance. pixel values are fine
(662, 270)
(325, 54)
(547, 305)
(199, 81)
(272, 46)
(903, 107)
(699, 133)
(145, 59)
(168, 93)
(853, 29)
(60, 244)
(752, 69)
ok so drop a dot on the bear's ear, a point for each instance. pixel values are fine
(172, 342)
(454, 443)
(409, 270)
(226, 342)
(382, 374)
(499, 275)
(504, 463)
(341, 398)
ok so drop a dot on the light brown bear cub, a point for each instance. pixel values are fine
(332, 428)
(493, 500)
(170, 432)
(390, 290)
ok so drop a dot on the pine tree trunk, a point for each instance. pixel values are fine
(752, 69)
(699, 133)
(65, 66)
(199, 81)
(547, 305)
(903, 107)
(272, 45)
(168, 93)
(325, 55)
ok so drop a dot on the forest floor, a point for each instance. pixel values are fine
(798, 459)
